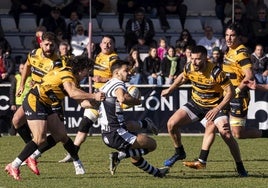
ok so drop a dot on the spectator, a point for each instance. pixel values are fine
(7, 67)
(2, 34)
(228, 9)
(170, 66)
(185, 57)
(71, 25)
(16, 101)
(260, 28)
(136, 67)
(217, 56)
(171, 7)
(139, 31)
(185, 40)
(5, 47)
(65, 6)
(241, 19)
(79, 41)
(252, 8)
(65, 51)
(219, 9)
(162, 48)
(260, 65)
(150, 7)
(55, 22)
(82, 8)
(125, 6)
(152, 67)
(24, 6)
(209, 41)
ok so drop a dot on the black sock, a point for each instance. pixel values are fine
(71, 149)
(25, 133)
(264, 133)
(145, 166)
(49, 144)
(240, 166)
(136, 152)
(180, 150)
(77, 148)
(28, 150)
(204, 155)
(144, 123)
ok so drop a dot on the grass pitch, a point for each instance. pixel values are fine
(220, 171)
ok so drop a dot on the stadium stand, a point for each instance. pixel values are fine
(199, 14)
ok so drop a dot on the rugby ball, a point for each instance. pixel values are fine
(134, 92)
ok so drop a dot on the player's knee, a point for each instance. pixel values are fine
(16, 122)
(237, 126)
(172, 127)
(153, 145)
(40, 140)
(237, 134)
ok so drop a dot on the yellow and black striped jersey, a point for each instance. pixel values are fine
(102, 66)
(40, 65)
(51, 90)
(235, 61)
(207, 86)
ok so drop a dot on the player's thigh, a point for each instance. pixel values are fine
(145, 142)
(19, 118)
(38, 129)
(179, 118)
(56, 127)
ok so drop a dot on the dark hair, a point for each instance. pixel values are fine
(50, 36)
(234, 27)
(118, 64)
(110, 37)
(199, 49)
(79, 63)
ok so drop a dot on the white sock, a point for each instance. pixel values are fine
(121, 155)
(16, 163)
(36, 154)
(76, 162)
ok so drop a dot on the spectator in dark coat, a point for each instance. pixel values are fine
(139, 31)
(55, 22)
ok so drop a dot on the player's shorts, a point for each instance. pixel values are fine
(198, 113)
(239, 107)
(119, 139)
(34, 109)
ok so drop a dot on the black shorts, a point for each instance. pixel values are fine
(34, 109)
(197, 112)
(239, 106)
(119, 139)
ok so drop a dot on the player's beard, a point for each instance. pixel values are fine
(48, 53)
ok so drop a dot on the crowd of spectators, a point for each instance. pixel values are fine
(139, 31)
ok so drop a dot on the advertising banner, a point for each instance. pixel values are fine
(159, 109)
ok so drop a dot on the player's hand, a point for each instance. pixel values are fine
(211, 114)
(19, 91)
(251, 84)
(165, 93)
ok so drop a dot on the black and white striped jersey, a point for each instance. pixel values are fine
(110, 113)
